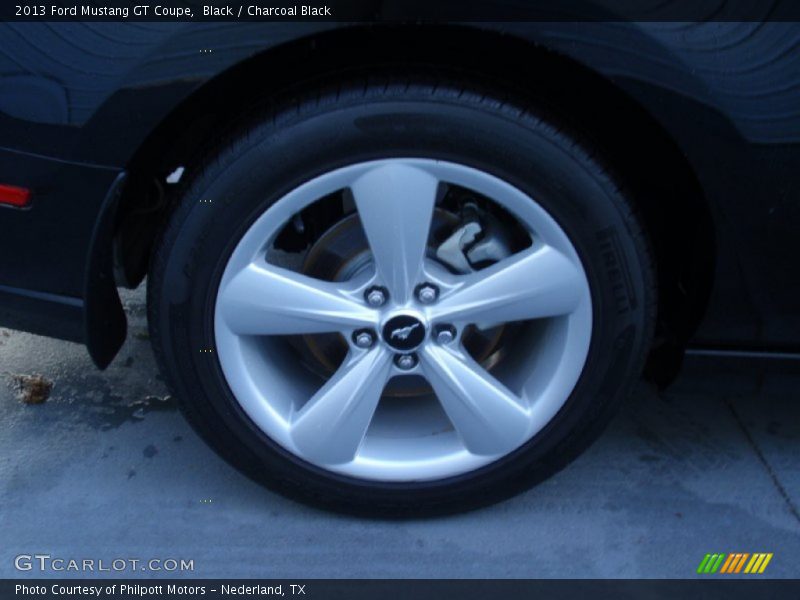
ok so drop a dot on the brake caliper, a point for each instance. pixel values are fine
(479, 241)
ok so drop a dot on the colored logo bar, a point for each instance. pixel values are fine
(737, 562)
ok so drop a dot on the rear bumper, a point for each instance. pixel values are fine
(55, 256)
(45, 247)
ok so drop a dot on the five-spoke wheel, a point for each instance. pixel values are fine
(404, 315)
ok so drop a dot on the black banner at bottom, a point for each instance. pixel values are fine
(384, 589)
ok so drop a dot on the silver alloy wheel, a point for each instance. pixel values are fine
(476, 416)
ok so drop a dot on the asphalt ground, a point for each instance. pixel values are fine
(107, 468)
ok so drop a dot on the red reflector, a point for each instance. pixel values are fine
(15, 196)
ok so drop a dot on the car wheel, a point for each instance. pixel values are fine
(401, 296)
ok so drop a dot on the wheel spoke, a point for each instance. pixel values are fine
(534, 284)
(489, 418)
(330, 428)
(395, 203)
(270, 300)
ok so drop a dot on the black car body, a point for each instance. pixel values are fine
(94, 116)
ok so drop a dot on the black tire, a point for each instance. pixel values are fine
(330, 127)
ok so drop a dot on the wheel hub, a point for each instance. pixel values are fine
(404, 332)
(342, 253)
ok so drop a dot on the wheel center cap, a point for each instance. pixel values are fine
(404, 332)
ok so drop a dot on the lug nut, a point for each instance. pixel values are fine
(405, 361)
(445, 334)
(376, 296)
(427, 293)
(363, 338)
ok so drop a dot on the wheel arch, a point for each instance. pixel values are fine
(664, 186)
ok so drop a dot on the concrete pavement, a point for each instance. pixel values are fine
(108, 468)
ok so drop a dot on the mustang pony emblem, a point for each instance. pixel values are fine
(403, 332)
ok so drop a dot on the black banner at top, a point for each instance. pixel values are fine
(400, 10)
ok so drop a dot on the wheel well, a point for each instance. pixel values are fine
(663, 185)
